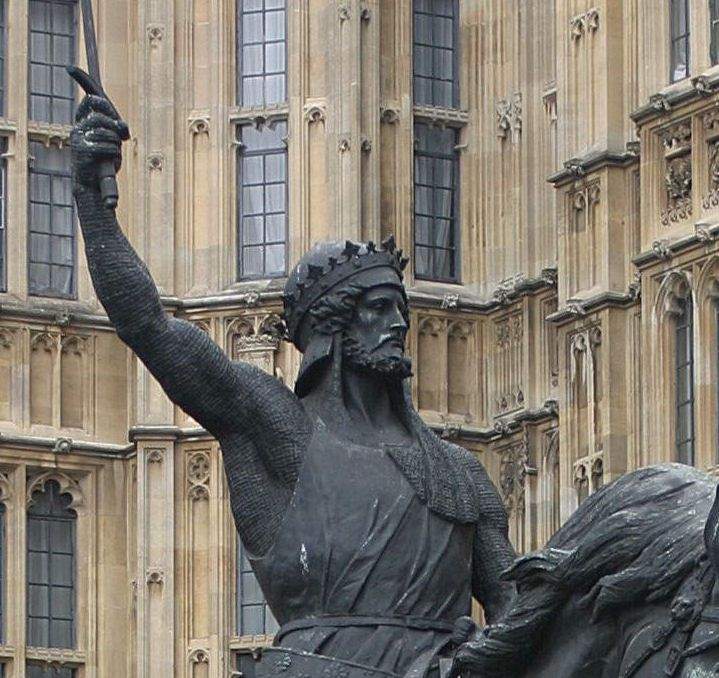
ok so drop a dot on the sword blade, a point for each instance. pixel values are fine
(88, 27)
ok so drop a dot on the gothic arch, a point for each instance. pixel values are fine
(68, 485)
(675, 289)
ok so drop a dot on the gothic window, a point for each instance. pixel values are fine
(679, 36)
(261, 53)
(714, 30)
(684, 366)
(51, 260)
(53, 31)
(50, 573)
(262, 197)
(253, 614)
(436, 81)
(436, 204)
(3, 213)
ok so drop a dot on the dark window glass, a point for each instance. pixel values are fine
(51, 246)
(42, 671)
(253, 613)
(3, 215)
(679, 33)
(50, 571)
(714, 30)
(3, 49)
(262, 199)
(684, 383)
(435, 49)
(436, 182)
(52, 47)
(261, 52)
(246, 665)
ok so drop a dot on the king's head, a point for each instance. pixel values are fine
(351, 293)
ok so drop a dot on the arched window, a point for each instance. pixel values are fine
(253, 614)
(684, 382)
(679, 37)
(714, 30)
(50, 573)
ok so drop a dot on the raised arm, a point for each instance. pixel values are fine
(223, 396)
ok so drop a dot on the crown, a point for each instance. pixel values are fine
(314, 280)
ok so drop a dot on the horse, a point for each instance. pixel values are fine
(627, 588)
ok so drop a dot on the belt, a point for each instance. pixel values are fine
(344, 621)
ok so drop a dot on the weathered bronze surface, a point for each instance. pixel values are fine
(368, 533)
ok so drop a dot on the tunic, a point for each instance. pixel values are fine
(402, 560)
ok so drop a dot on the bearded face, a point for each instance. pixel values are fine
(374, 342)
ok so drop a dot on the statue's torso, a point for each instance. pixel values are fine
(356, 540)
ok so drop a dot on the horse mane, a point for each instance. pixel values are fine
(633, 541)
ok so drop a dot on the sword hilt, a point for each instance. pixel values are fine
(106, 170)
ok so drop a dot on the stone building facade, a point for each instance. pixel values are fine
(552, 166)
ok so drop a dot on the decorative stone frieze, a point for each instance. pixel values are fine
(677, 144)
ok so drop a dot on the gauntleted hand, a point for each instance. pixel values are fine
(97, 136)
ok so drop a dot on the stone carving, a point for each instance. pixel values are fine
(199, 655)
(315, 112)
(155, 34)
(68, 485)
(509, 394)
(199, 124)
(584, 24)
(156, 162)
(675, 290)
(343, 11)
(389, 114)
(155, 576)
(44, 341)
(343, 145)
(677, 140)
(7, 337)
(513, 472)
(450, 300)
(6, 492)
(155, 456)
(198, 476)
(62, 446)
(509, 117)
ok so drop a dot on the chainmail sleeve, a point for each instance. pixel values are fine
(227, 398)
(493, 553)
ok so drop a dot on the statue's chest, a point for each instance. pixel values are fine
(355, 524)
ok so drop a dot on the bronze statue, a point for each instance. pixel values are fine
(627, 588)
(368, 533)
